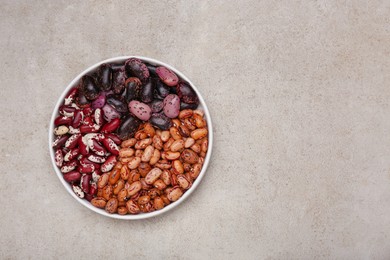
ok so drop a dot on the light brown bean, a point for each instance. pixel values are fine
(126, 152)
(149, 130)
(194, 173)
(196, 148)
(155, 157)
(158, 203)
(185, 113)
(142, 144)
(122, 210)
(165, 199)
(132, 207)
(112, 205)
(134, 188)
(177, 145)
(159, 184)
(178, 166)
(128, 143)
(125, 172)
(199, 133)
(119, 186)
(153, 175)
(165, 135)
(166, 177)
(199, 121)
(148, 153)
(171, 155)
(168, 144)
(144, 168)
(204, 145)
(189, 142)
(157, 142)
(103, 180)
(143, 200)
(175, 133)
(114, 176)
(183, 182)
(134, 163)
(189, 156)
(176, 122)
(122, 194)
(174, 194)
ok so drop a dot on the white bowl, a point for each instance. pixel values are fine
(86, 203)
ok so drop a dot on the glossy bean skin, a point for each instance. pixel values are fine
(89, 87)
(160, 121)
(161, 90)
(99, 202)
(128, 127)
(137, 68)
(118, 81)
(186, 93)
(119, 106)
(105, 77)
(133, 89)
(147, 90)
(112, 205)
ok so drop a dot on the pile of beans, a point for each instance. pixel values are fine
(122, 103)
(155, 167)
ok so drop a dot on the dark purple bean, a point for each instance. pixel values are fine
(161, 90)
(135, 67)
(110, 113)
(128, 127)
(156, 106)
(81, 100)
(117, 66)
(89, 87)
(119, 79)
(188, 106)
(133, 89)
(120, 106)
(160, 121)
(186, 93)
(105, 77)
(152, 70)
(147, 92)
(99, 102)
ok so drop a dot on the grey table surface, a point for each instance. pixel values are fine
(299, 95)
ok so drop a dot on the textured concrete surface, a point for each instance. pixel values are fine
(299, 93)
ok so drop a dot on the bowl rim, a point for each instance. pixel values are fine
(86, 203)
